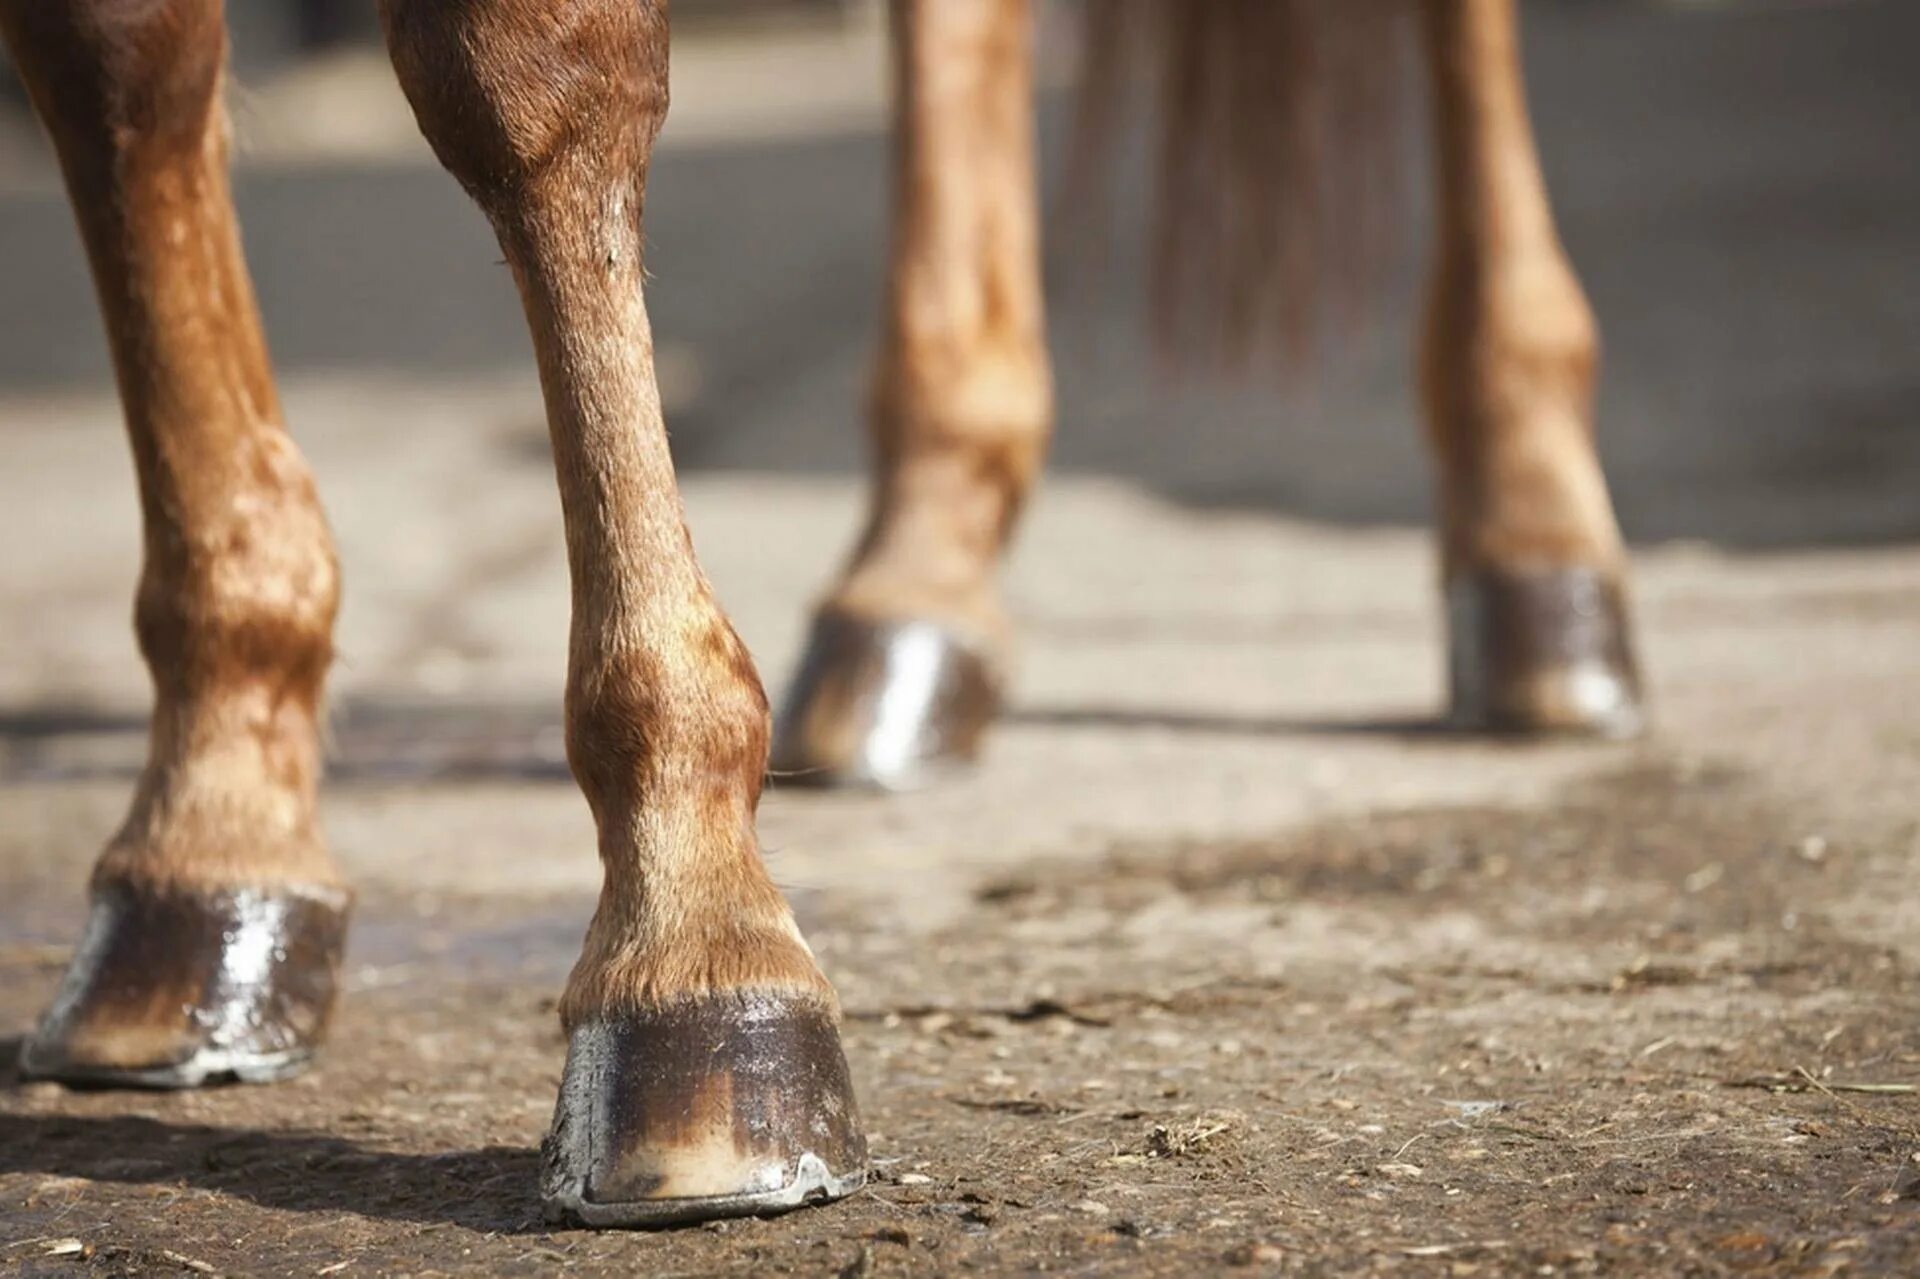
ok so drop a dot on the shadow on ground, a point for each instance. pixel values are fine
(289, 1171)
(388, 742)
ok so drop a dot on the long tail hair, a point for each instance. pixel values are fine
(1276, 162)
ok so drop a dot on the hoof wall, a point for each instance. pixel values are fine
(185, 989)
(883, 704)
(717, 1108)
(1546, 651)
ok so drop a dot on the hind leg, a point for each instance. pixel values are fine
(218, 916)
(704, 1076)
(906, 662)
(1534, 567)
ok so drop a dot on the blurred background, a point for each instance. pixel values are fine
(1736, 182)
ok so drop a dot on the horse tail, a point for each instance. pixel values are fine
(1276, 161)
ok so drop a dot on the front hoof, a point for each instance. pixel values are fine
(190, 987)
(887, 704)
(718, 1107)
(1543, 651)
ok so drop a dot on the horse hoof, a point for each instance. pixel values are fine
(706, 1108)
(1543, 651)
(886, 704)
(180, 989)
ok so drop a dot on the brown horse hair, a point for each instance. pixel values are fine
(1277, 145)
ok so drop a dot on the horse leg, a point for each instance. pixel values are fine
(1532, 558)
(218, 916)
(904, 667)
(704, 1075)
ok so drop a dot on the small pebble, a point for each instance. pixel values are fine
(1256, 1254)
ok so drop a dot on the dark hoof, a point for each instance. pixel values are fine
(189, 988)
(883, 704)
(1543, 651)
(710, 1108)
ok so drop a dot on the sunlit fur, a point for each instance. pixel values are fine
(238, 587)
(1511, 348)
(547, 113)
(962, 396)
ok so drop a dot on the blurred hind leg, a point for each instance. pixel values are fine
(1532, 558)
(218, 916)
(905, 665)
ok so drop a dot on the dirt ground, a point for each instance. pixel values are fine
(1623, 1033)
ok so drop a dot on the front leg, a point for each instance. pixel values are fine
(704, 1075)
(1534, 567)
(218, 918)
(907, 660)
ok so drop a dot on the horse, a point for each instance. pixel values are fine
(704, 1074)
